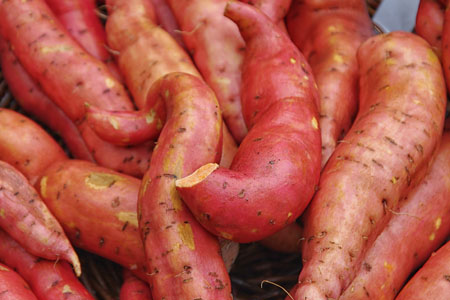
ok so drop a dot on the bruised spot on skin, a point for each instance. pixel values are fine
(226, 235)
(187, 236)
(67, 289)
(53, 49)
(315, 123)
(114, 123)
(2, 268)
(2, 213)
(127, 216)
(292, 60)
(437, 223)
(99, 181)
(150, 116)
(43, 184)
(109, 83)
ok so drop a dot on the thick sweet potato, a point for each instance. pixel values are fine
(48, 280)
(133, 288)
(182, 257)
(97, 208)
(386, 153)
(26, 146)
(12, 286)
(277, 166)
(419, 227)
(432, 281)
(25, 217)
(276, 10)
(34, 101)
(430, 23)
(329, 33)
(218, 52)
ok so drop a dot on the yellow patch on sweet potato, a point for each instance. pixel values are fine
(126, 216)
(2, 213)
(67, 289)
(114, 123)
(109, 83)
(2, 268)
(99, 181)
(43, 184)
(187, 236)
(150, 116)
(437, 223)
(53, 49)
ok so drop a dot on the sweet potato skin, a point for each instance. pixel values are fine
(97, 208)
(430, 23)
(281, 153)
(182, 257)
(167, 20)
(12, 286)
(25, 217)
(432, 280)
(20, 140)
(133, 288)
(446, 47)
(329, 34)
(276, 10)
(48, 280)
(417, 229)
(386, 152)
(218, 52)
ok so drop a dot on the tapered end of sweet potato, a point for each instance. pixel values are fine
(198, 176)
(75, 264)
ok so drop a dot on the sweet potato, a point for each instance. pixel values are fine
(34, 101)
(287, 240)
(81, 21)
(419, 227)
(385, 154)
(167, 20)
(329, 33)
(48, 280)
(446, 47)
(182, 257)
(432, 281)
(430, 23)
(218, 52)
(273, 175)
(12, 286)
(133, 288)
(21, 139)
(276, 10)
(25, 217)
(97, 209)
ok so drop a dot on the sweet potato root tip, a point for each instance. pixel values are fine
(198, 176)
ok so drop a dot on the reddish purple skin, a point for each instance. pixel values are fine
(133, 288)
(13, 287)
(430, 23)
(49, 280)
(274, 173)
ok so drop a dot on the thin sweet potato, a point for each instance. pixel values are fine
(446, 47)
(167, 20)
(25, 217)
(273, 175)
(34, 101)
(329, 33)
(287, 240)
(182, 257)
(419, 227)
(385, 154)
(276, 10)
(48, 280)
(432, 281)
(218, 52)
(21, 139)
(12, 286)
(133, 288)
(430, 23)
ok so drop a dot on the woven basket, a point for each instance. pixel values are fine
(254, 268)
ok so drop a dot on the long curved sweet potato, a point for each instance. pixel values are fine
(276, 10)
(386, 153)
(25, 217)
(218, 52)
(182, 257)
(430, 23)
(419, 227)
(48, 280)
(12, 286)
(277, 166)
(21, 139)
(34, 101)
(432, 281)
(329, 33)
(133, 288)
(97, 208)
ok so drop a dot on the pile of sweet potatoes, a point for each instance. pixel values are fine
(192, 126)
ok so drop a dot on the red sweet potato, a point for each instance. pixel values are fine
(329, 33)
(167, 20)
(419, 227)
(34, 101)
(385, 154)
(133, 288)
(182, 257)
(48, 280)
(217, 49)
(430, 23)
(26, 146)
(446, 47)
(287, 240)
(81, 21)
(272, 177)
(276, 10)
(12, 286)
(25, 217)
(432, 281)
(97, 209)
